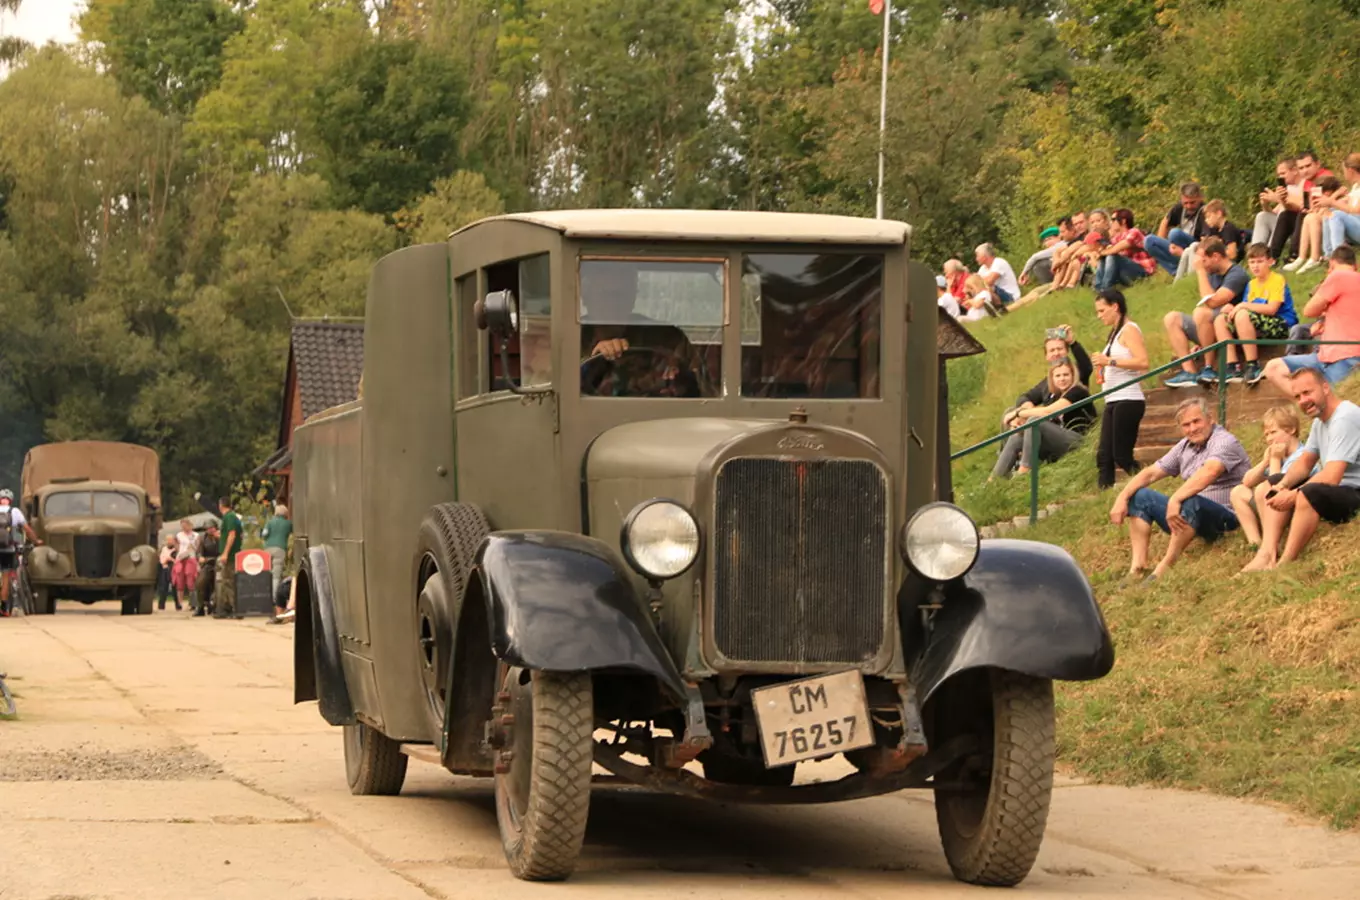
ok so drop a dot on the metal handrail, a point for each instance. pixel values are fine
(1151, 373)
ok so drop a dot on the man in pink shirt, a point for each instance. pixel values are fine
(1337, 298)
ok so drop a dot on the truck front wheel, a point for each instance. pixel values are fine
(44, 604)
(543, 770)
(992, 832)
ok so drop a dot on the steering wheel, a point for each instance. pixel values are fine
(690, 390)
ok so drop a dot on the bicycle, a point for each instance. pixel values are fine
(20, 588)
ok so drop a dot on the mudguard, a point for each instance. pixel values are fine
(317, 671)
(1025, 606)
(562, 602)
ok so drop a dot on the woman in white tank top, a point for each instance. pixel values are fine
(1123, 359)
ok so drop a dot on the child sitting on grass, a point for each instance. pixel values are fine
(1267, 311)
(1281, 425)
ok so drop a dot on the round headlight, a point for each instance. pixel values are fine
(52, 555)
(136, 557)
(940, 542)
(660, 539)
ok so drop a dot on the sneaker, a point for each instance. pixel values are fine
(1293, 266)
(991, 308)
(1208, 375)
(1253, 373)
(1234, 373)
(1309, 266)
(1183, 379)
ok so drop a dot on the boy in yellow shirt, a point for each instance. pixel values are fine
(1266, 311)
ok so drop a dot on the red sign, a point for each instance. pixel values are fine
(253, 562)
(875, 6)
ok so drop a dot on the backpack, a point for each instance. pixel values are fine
(6, 528)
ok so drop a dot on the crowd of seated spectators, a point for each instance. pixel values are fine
(1308, 219)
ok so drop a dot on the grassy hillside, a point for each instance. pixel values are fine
(1243, 685)
(982, 387)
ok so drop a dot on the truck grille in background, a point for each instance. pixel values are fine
(94, 555)
(800, 549)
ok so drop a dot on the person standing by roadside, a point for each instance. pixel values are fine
(276, 533)
(184, 576)
(208, 549)
(165, 573)
(1123, 360)
(232, 535)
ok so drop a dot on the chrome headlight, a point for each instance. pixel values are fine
(940, 542)
(52, 555)
(136, 557)
(660, 539)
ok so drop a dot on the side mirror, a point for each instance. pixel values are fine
(498, 313)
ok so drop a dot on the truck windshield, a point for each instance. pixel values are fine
(811, 325)
(113, 504)
(651, 328)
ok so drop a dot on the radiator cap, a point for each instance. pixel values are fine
(798, 416)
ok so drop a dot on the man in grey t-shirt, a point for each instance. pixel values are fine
(1302, 499)
(1211, 461)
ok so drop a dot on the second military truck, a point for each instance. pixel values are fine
(96, 505)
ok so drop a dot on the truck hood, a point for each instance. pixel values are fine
(664, 449)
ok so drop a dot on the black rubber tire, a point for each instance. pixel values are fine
(374, 763)
(449, 537)
(146, 601)
(993, 837)
(44, 604)
(544, 842)
(734, 770)
(129, 605)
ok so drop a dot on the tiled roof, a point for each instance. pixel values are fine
(953, 340)
(330, 359)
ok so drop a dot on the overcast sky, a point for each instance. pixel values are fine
(40, 21)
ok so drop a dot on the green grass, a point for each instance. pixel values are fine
(1243, 685)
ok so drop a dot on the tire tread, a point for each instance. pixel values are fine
(554, 825)
(1012, 828)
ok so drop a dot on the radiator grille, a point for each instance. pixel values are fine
(800, 557)
(94, 555)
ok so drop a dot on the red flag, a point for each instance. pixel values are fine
(875, 6)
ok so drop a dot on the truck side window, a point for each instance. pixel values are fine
(466, 338)
(530, 351)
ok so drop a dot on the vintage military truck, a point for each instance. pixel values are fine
(651, 489)
(96, 505)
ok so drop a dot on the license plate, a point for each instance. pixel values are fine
(812, 717)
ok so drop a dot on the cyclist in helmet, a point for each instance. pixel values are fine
(12, 522)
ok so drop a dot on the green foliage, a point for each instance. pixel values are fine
(388, 120)
(169, 52)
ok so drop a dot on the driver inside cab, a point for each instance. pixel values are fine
(626, 354)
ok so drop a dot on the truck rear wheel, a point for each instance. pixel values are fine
(449, 538)
(543, 771)
(44, 604)
(374, 763)
(991, 835)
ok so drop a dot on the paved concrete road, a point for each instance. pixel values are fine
(161, 757)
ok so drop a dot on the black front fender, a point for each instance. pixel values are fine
(562, 602)
(1025, 606)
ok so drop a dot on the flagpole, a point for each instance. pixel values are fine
(883, 106)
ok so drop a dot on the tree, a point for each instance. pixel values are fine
(167, 51)
(453, 203)
(388, 120)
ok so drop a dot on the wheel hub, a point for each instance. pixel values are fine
(511, 736)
